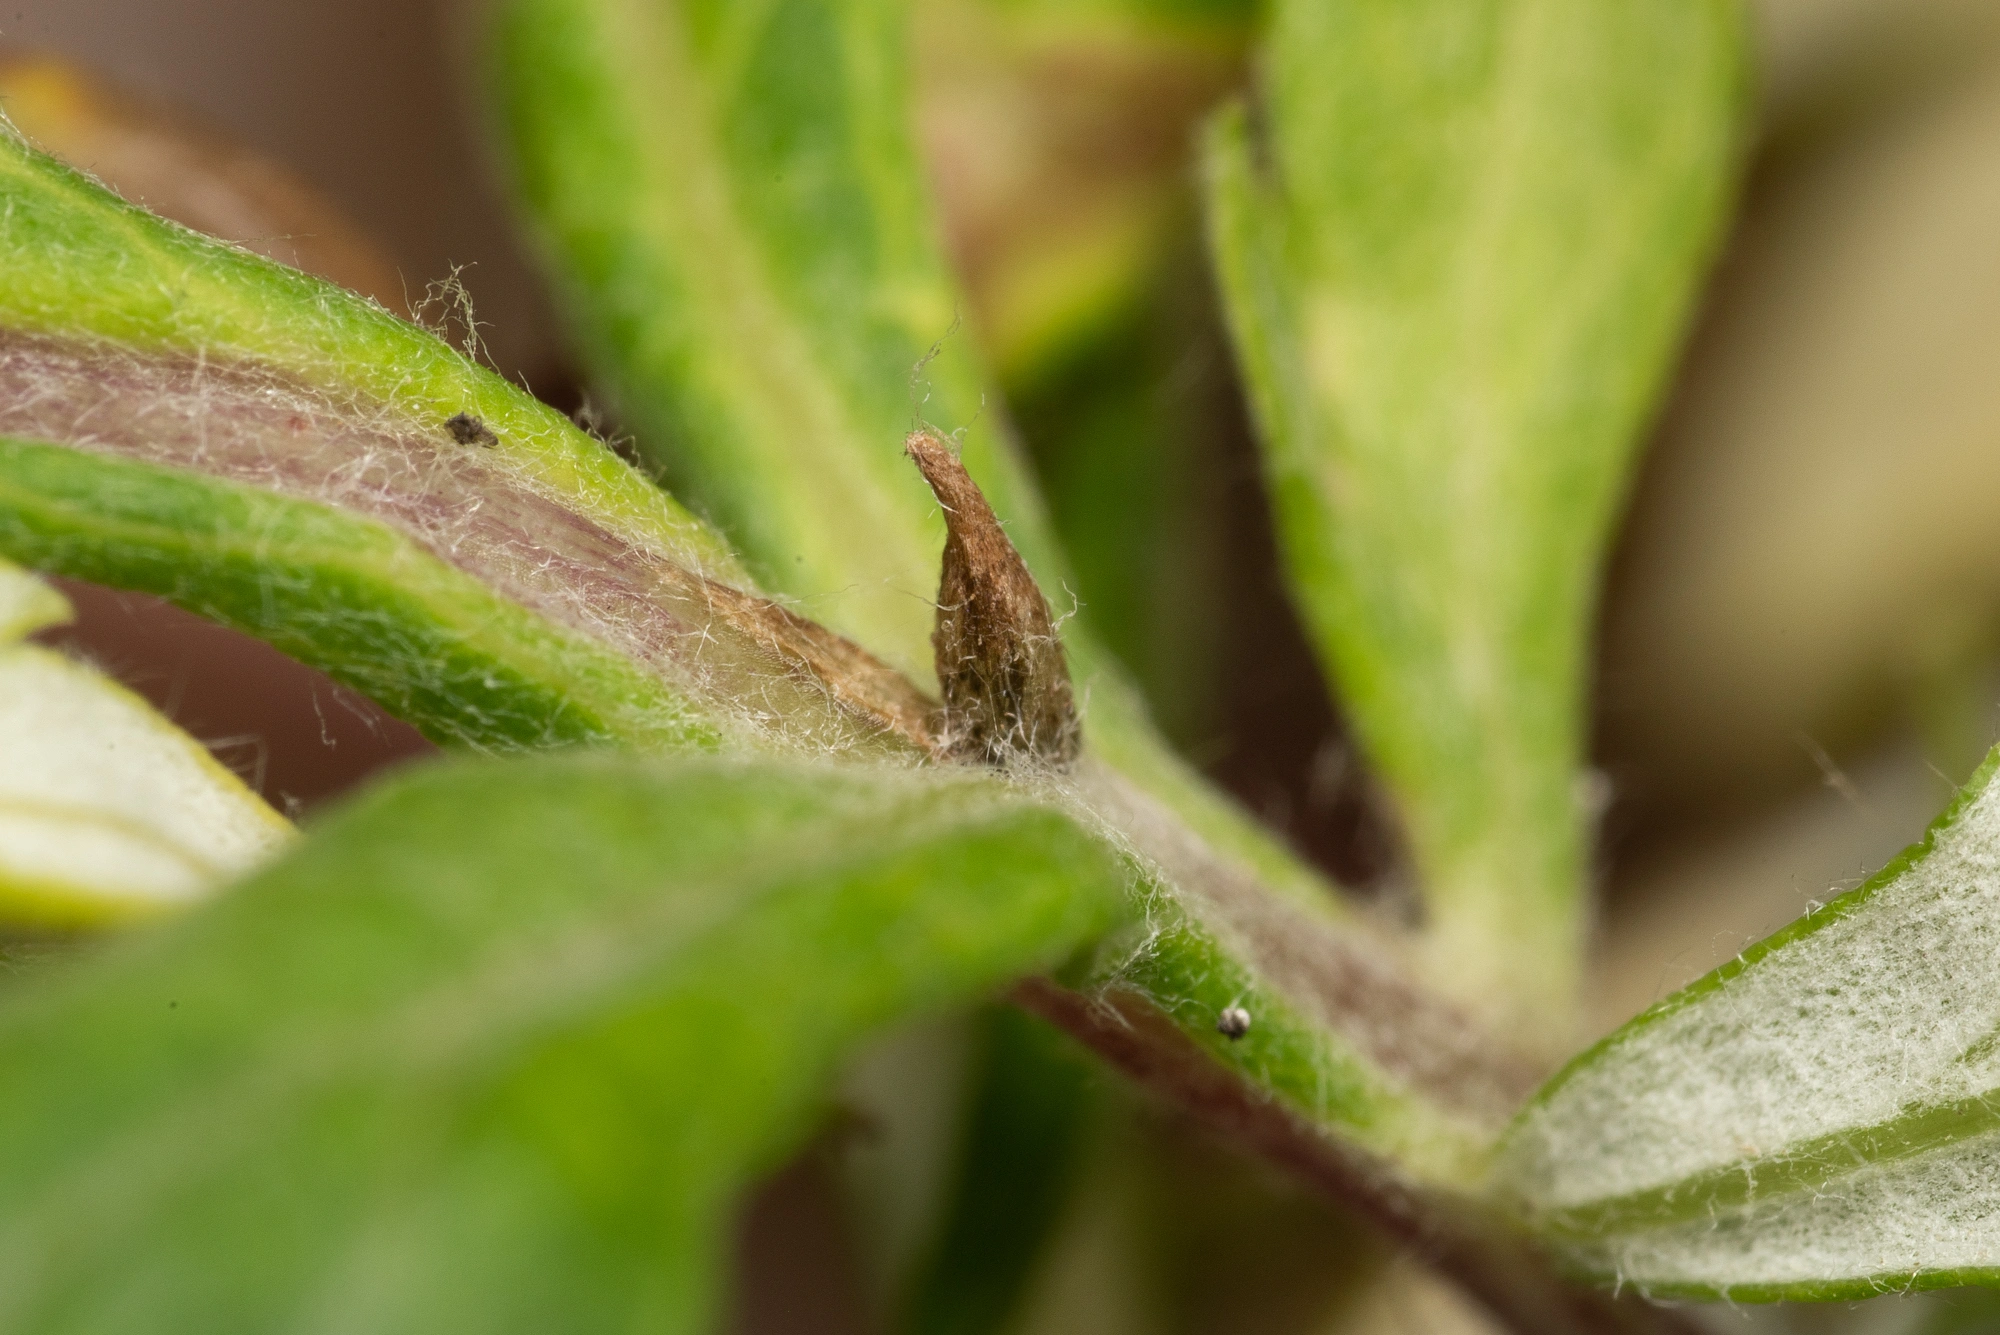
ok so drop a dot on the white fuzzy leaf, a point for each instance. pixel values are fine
(1819, 1118)
(106, 808)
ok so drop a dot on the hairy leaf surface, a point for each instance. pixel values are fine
(499, 1045)
(131, 340)
(1818, 1118)
(731, 195)
(348, 595)
(1455, 291)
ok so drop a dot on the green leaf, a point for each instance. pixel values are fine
(83, 269)
(497, 1048)
(1819, 1118)
(107, 810)
(1456, 290)
(517, 587)
(358, 600)
(733, 200)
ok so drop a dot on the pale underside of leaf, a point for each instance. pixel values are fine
(1820, 1117)
(107, 810)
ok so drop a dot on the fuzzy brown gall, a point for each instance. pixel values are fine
(1005, 681)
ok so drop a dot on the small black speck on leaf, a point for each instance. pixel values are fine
(469, 430)
(173, 1005)
(1233, 1023)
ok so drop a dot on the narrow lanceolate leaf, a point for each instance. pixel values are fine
(497, 1048)
(734, 201)
(1819, 1118)
(1455, 293)
(107, 810)
(154, 355)
(355, 598)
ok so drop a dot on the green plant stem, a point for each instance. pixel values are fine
(1518, 1283)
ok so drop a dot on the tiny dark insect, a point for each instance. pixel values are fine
(1233, 1023)
(469, 430)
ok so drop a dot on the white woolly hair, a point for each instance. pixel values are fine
(1891, 1006)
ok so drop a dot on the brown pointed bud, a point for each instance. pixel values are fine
(1000, 666)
